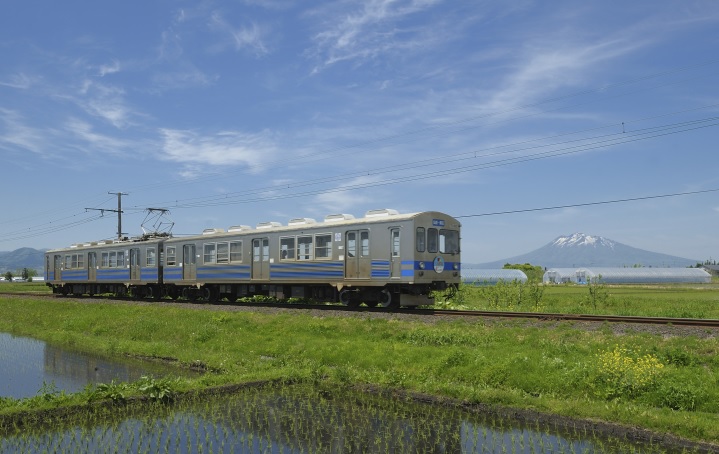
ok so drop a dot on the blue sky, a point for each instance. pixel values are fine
(247, 111)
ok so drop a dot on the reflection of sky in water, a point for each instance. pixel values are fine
(293, 420)
(27, 364)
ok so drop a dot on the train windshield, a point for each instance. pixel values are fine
(449, 241)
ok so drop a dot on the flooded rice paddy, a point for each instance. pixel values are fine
(302, 419)
(29, 366)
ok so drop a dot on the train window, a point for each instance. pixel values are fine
(395, 242)
(223, 252)
(74, 261)
(364, 243)
(449, 241)
(287, 248)
(323, 246)
(304, 248)
(351, 244)
(150, 256)
(235, 251)
(113, 260)
(120, 259)
(105, 263)
(432, 240)
(420, 239)
(210, 254)
(171, 255)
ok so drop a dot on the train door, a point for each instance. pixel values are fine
(57, 267)
(189, 262)
(91, 266)
(395, 268)
(261, 258)
(134, 264)
(358, 264)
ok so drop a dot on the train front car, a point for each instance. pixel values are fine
(430, 258)
(406, 258)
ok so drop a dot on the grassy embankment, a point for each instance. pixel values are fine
(664, 384)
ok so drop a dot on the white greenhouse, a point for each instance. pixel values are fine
(627, 275)
(491, 276)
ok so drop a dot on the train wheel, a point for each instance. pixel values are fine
(347, 297)
(386, 300)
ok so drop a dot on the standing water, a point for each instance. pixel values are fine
(30, 365)
(304, 419)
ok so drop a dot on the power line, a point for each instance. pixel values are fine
(575, 205)
(333, 151)
(616, 139)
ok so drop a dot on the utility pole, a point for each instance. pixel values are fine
(118, 211)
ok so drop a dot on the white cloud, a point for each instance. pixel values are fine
(109, 68)
(242, 38)
(104, 101)
(19, 81)
(14, 133)
(91, 141)
(344, 199)
(223, 148)
(372, 29)
(553, 65)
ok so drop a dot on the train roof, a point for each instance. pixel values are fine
(371, 216)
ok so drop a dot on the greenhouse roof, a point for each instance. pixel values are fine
(491, 276)
(628, 275)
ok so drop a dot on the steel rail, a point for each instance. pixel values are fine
(541, 316)
(714, 323)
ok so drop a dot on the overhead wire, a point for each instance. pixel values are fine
(444, 125)
(612, 140)
(444, 159)
(332, 151)
(576, 205)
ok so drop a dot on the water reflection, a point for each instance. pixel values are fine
(307, 420)
(28, 365)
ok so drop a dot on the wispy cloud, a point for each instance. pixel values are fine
(104, 101)
(20, 81)
(341, 200)
(250, 38)
(92, 142)
(558, 64)
(110, 68)
(16, 134)
(373, 28)
(223, 148)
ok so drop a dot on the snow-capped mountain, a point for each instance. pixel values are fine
(580, 239)
(578, 250)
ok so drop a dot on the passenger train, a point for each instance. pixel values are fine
(384, 258)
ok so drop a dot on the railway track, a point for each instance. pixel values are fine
(712, 323)
(697, 322)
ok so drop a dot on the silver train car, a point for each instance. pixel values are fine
(384, 258)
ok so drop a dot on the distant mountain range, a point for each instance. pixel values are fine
(18, 259)
(580, 250)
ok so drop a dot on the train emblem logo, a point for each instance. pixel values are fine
(438, 264)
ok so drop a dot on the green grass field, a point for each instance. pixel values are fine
(679, 300)
(664, 383)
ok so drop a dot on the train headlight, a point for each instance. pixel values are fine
(455, 266)
(421, 265)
